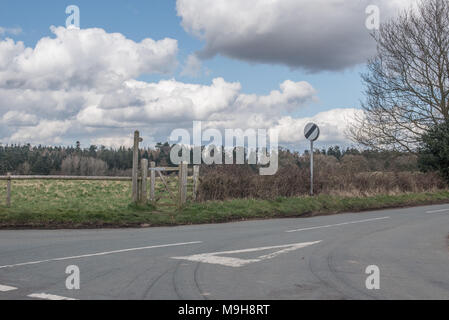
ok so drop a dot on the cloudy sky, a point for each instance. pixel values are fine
(157, 65)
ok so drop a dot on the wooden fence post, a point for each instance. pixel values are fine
(196, 176)
(183, 184)
(152, 183)
(135, 172)
(8, 191)
(143, 183)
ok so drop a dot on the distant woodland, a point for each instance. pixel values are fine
(43, 160)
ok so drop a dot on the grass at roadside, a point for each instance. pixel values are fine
(90, 204)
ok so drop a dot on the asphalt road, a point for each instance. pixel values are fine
(309, 258)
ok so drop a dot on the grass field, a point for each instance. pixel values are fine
(94, 204)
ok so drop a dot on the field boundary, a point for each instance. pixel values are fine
(218, 212)
(140, 175)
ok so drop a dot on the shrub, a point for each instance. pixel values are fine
(347, 177)
(434, 150)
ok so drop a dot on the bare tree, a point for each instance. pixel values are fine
(83, 166)
(407, 82)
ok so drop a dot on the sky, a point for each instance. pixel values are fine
(158, 65)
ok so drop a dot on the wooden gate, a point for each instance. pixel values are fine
(181, 194)
(140, 192)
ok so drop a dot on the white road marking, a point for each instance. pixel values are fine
(6, 288)
(99, 254)
(47, 296)
(215, 258)
(438, 211)
(338, 224)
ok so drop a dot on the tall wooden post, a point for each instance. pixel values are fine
(143, 182)
(183, 184)
(196, 176)
(152, 182)
(135, 172)
(8, 191)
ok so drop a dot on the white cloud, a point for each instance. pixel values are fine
(83, 58)
(221, 103)
(333, 126)
(13, 31)
(82, 85)
(56, 104)
(46, 131)
(114, 142)
(291, 95)
(43, 90)
(17, 118)
(193, 66)
(314, 35)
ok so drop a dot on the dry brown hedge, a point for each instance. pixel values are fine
(346, 177)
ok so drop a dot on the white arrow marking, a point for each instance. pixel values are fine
(6, 288)
(217, 258)
(47, 296)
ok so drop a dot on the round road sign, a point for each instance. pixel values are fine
(312, 132)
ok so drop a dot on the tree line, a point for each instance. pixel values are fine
(102, 161)
(47, 160)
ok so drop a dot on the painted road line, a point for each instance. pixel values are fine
(6, 288)
(100, 254)
(438, 211)
(338, 224)
(217, 258)
(47, 296)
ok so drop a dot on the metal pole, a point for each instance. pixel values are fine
(311, 168)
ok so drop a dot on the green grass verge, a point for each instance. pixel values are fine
(62, 204)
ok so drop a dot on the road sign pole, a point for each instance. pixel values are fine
(312, 133)
(311, 168)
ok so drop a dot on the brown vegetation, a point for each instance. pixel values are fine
(350, 176)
